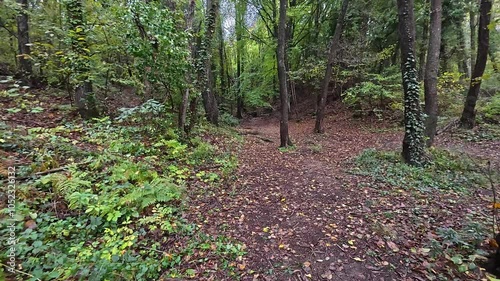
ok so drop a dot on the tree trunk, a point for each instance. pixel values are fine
(84, 98)
(282, 31)
(23, 40)
(207, 89)
(240, 21)
(423, 48)
(463, 65)
(468, 119)
(332, 55)
(473, 34)
(431, 72)
(413, 142)
(185, 97)
(222, 64)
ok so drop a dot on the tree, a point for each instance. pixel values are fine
(431, 72)
(282, 76)
(468, 119)
(413, 142)
(23, 42)
(332, 53)
(241, 7)
(185, 96)
(207, 83)
(83, 96)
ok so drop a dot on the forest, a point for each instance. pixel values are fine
(288, 140)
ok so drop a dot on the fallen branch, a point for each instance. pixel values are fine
(448, 126)
(255, 134)
(263, 138)
(51, 171)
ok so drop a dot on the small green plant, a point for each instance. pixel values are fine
(446, 171)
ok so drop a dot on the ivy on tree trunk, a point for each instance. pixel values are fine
(413, 142)
(84, 97)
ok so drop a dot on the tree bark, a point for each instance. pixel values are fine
(185, 97)
(282, 76)
(431, 72)
(413, 142)
(468, 119)
(84, 98)
(207, 89)
(23, 40)
(473, 34)
(423, 49)
(240, 21)
(222, 64)
(332, 55)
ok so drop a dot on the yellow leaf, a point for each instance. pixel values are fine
(358, 259)
(265, 229)
(351, 242)
(496, 206)
(281, 246)
(241, 266)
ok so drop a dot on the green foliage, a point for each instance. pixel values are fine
(447, 171)
(376, 94)
(491, 110)
(459, 246)
(451, 90)
(228, 120)
(104, 212)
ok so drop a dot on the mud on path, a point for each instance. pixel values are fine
(303, 216)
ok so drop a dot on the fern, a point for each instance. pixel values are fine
(64, 185)
(159, 190)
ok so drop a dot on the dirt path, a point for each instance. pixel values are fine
(302, 211)
(302, 216)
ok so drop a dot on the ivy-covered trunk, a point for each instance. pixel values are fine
(468, 119)
(431, 72)
(413, 142)
(23, 40)
(83, 96)
(284, 97)
(207, 89)
(332, 53)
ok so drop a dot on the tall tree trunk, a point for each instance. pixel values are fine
(185, 97)
(207, 90)
(222, 63)
(84, 98)
(473, 33)
(463, 65)
(413, 142)
(282, 33)
(23, 40)
(423, 48)
(468, 119)
(240, 22)
(431, 72)
(332, 55)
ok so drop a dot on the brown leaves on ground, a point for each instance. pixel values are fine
(302, 216)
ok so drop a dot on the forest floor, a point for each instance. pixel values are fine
(306, 213)
(303, 215)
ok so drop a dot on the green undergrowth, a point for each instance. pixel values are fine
(446, 171)
(109, 202)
